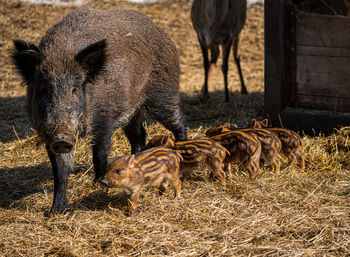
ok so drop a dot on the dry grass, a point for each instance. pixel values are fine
(301, 213)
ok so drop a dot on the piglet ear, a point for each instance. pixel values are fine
(131, 161)
(265, 122)
(168, 142)
(93, 58)
(226, 125)
(26, 57)
(252, 123)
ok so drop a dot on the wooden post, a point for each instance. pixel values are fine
(274, 59)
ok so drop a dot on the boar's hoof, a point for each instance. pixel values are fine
(56, 210)
(61, 146)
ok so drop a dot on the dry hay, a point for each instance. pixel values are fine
(301, 213)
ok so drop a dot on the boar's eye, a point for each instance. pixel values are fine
(117, 171)
(43, 92)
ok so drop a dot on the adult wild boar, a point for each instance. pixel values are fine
(95, 71)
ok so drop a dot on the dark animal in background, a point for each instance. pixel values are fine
(219, 22)
(152, 167)
(95, 71)
(196, 154)
(292, 145)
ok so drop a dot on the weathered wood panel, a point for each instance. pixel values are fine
(333, 104)
(290, 59)
(323, 30)
(323, 76)
(323, 51)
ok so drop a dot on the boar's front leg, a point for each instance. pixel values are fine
(135, 133)
(101, 144)
(61, 166)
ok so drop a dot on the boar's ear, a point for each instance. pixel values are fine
(93, 58)
(26, 57)
(265, 122)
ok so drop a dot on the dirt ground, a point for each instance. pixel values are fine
(299, 213)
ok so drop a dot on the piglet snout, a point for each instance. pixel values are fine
(104, 182)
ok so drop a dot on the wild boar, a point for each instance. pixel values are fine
(196, 154)
(95, 71)
(270, 143)
(292, 144)
(244, 148)
(159, 165)
(219, 23)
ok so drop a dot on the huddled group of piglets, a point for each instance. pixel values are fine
(165, 160)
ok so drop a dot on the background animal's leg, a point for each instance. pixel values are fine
(61, 166)
(206, 65)
(214, 54)
(135, 132)
(225, 56)
(237, 59)
(101, 144)
(169, 115)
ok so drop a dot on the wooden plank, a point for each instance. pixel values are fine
(332, 104)
(323, 30)
(323, 51)
(312, 123)
(334, 90)
(323, 76)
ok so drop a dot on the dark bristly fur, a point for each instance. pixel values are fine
(270, 144)
(219, 23)
(159, 165)
(292, 145)
(244, 148)
(95, 71)
(196, 154)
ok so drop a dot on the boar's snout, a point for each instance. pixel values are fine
(62, 144)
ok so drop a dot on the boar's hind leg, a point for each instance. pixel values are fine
(61, 166)
(136, 134)
(169, 115)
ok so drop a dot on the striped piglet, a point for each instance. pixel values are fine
(152, 167)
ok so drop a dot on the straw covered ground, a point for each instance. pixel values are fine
(300, 213)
